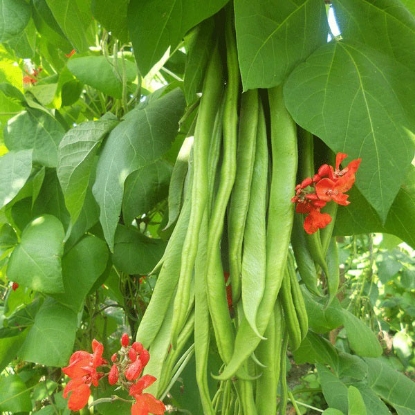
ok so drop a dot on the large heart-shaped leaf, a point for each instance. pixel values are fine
(36, 261)
(15, 168)
(382, 24)
(143, 137)
(270, 43)
(14, 394)
(359, 101)
(156, 25)
(76, 155)
(50, 340)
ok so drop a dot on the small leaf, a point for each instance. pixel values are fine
(14, 394)
(356, 403)
(162, 23)
(144, 188)
(113, 16)
(37, 130)
(334, 390)
(50, 340)
(354, 98)
(104, 74)
(135, 253)
(36, 261)
(361, 339)
(270, 43)
(14, 16)
(143, 137)
(332, 411)
(76, 158)
(81, 267)
(15, 168)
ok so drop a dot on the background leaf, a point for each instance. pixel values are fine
(360, 102)
(399, 221)
(50, 340)
(101, 73)
(36, 261)
(156, 25)
(14, 394)
(73, 17)
(143, 137)
(356, 403)
(334, 390)
(76, 158)
(269, 41)
(37, 130)
(361, 338)
(15, 168)
(14, 16)
(135, 253)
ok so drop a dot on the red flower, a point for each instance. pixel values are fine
(82, 371)
(15, 286)
(145, 403)
(125, 340)
(113, 375)
(329, 184)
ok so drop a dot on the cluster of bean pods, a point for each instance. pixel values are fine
(230, 202)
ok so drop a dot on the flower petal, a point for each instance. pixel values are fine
(315, 221)
(79, 397)
(142, 383)
(154, 406)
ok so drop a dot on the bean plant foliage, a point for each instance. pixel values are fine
(185, 172)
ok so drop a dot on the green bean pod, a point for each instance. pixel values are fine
(268, 352)
(254, 249)
(209, 104)
(280, 220)
(239, 202)
(290, 314)
(305, 263)
(333, 279)
(282, 407)
(297, 297)
(216, 289)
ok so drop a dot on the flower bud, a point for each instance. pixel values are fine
(113, 375)
(134, 370)
(125, 340)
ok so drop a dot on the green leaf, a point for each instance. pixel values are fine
(14, 394)
(81, 267)
(356, 403)
(135, 253)
(394, 387)
(316, 349)
(273, 37)
(374, 405)
(50, 340)
(14, 16)
(332, 411)
(362, 340)
(143, 137)
(334, 390)
(24, 44)
(37, 130)
(399, 221)
(360, 102)
(104, 74)
(384, 25)
(15, 168)
(73, 17)
(76, 158)
(156, 25)
(144, 188)
(113, 16)
(36, 261)
(8, 348)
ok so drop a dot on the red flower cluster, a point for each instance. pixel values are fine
(125, 371)
(82, 370)
(329, 184)
(127, 367)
